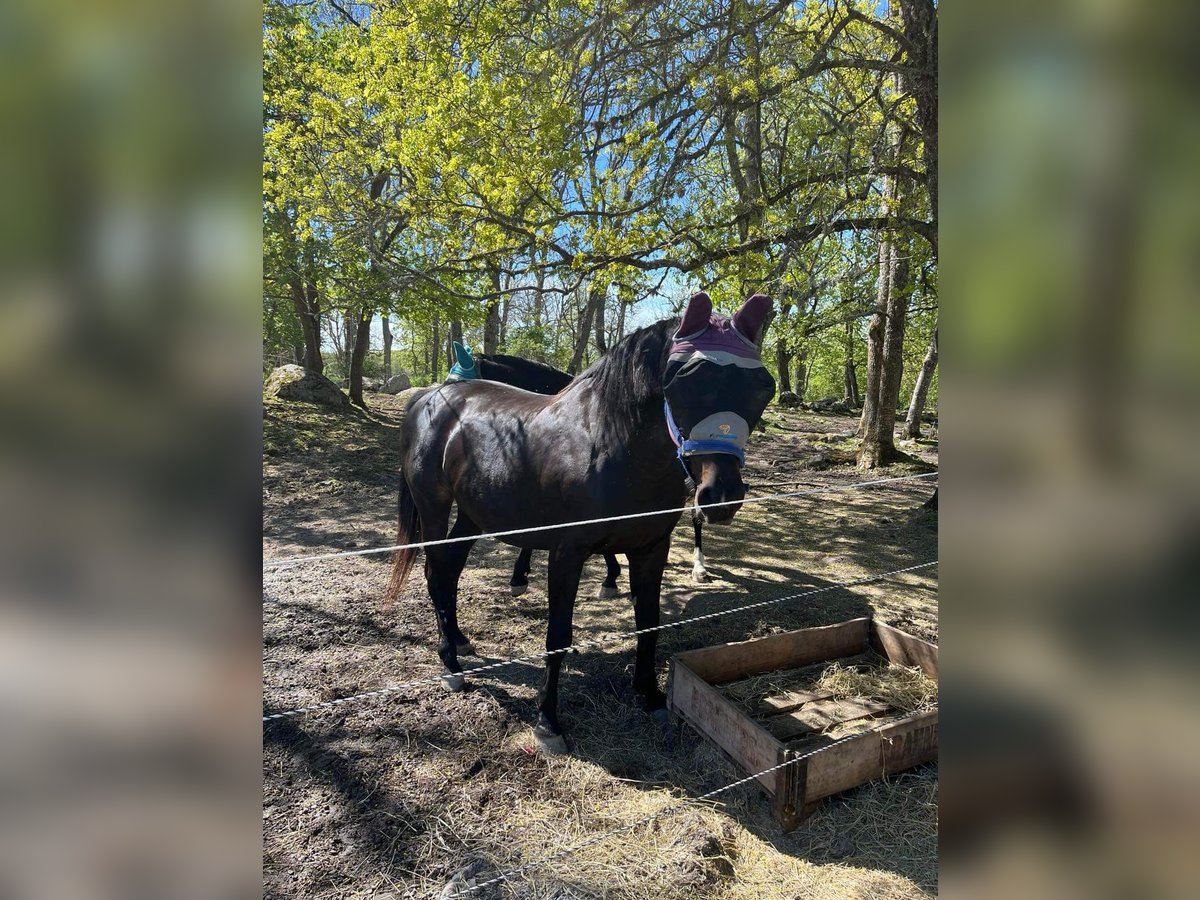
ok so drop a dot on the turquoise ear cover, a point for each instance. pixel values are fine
(464, 368)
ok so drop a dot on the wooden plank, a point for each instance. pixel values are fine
(893, 748)
(789, 701)
(904, 649)
(789, 795)
(798, 788)
(741, 659)
(739, 736)
(822, 714)
(909, 743)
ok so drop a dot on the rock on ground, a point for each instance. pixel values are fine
(397, 383)
(787, 399)
(291, 382)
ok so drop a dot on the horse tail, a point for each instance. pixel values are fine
(408, 532)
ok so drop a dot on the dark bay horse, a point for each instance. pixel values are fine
(540, 379)
(670, 402)
(544, 379)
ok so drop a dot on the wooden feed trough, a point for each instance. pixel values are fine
(769, 737)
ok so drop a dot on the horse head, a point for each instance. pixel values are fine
(716, 389)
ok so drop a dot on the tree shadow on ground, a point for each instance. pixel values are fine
(382, 823)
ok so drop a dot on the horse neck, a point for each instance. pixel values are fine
(628, 403)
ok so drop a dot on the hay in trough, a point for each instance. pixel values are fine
(906, 689)
(867, 676)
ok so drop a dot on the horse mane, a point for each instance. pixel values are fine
(508, 359)
(629, 376)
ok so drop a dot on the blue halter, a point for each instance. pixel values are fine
(685, 447)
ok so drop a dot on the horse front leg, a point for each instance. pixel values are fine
(520, 576)
(699, 572)
(566, 568)
(609, 588)
(645, 583)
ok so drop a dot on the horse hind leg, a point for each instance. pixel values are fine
(566, 567)
(609, 589)
(443, 568)
(520, 576)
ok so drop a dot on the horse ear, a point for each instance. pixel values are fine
(462, 356)
(697, 314)
(751, 319)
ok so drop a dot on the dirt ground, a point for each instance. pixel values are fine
(392, 797)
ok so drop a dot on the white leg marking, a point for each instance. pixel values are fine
(699, 573)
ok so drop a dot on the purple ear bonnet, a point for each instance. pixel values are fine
(715, 384)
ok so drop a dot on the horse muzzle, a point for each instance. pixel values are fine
(719, 487)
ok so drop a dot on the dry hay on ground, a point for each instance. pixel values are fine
(391, 798)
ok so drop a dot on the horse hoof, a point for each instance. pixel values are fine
(453, 681)
(607, 592)
(700, 576)
(548, 743)
(466, 647)
(519, 589)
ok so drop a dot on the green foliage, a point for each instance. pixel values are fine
(425, 154)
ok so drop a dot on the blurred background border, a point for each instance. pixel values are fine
(130, 171)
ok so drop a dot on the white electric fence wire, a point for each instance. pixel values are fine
(297, 560)
(587, 645)
(665, 811)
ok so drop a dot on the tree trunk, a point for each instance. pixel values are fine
(539, 298)
(506, 305)
(491, 321)
(783, 363)
(850, 372)
(885, 360)
(491, 328)
(885, 335)
(362, 341)
(308, 309)
(919, 21)
(783, 356)
(624, 297)
(435, 347)
(871, 453)
(455, 333)
(850, 378)
(349, 336)
(893, 356)
(916, 408)
(387, 346)
(801, 380)
(585, 331)
(601, 337)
